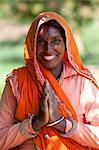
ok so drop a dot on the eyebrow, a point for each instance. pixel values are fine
(42, 37)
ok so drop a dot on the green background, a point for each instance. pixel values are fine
(82, 17)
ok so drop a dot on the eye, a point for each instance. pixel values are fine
(56, 41)
(40, 41)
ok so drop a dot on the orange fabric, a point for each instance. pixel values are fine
(31, 79)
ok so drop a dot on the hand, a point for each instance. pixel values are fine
(42, 118)
(53, 105)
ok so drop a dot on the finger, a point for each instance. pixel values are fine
(53, 96)
(44, 105)
(51, 91)
(44, 91)
(44, 85)
(44, 99)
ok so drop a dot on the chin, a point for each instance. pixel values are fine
(48, 66)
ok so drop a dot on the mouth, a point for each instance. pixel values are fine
(49, 58)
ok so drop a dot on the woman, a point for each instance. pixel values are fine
(51, 102)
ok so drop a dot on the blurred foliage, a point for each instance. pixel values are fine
(11, 56)
(12, 51)
(91, 43)
(77, 12)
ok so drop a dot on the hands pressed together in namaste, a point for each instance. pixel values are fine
(49, 113)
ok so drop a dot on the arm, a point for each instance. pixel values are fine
(87, 133)
(66, 126)
(10, 135)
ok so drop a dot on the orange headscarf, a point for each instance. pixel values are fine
(32, 77)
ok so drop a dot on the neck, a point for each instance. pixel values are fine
(57, 70)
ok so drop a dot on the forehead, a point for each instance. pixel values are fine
(49, 31)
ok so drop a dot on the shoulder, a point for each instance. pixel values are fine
(20, 70)
(20, 73)
(17, 75)
(79, 81)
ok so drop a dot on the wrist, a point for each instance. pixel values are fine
(36, 123)
(55, 118)
(26, 129)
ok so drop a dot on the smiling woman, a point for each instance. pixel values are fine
(51, 46)
(51, 102)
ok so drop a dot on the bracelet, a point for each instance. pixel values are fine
(74, 127)
(56, 122)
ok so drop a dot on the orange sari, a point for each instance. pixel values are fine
(32, 77)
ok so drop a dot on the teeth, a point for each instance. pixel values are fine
(49, 57)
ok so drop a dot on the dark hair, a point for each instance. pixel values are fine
(55, 24)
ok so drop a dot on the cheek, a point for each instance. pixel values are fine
(38, 51)
(61, 49)
(62, 45)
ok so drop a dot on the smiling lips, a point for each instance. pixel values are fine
(49, 58)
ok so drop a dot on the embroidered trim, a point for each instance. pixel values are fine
(38, 72)
(85, 73)
(14, 85)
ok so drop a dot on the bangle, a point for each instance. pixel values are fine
(73, 129)
(56, 122)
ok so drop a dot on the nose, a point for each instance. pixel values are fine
(48, 46)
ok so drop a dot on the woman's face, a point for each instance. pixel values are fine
(50, 47)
